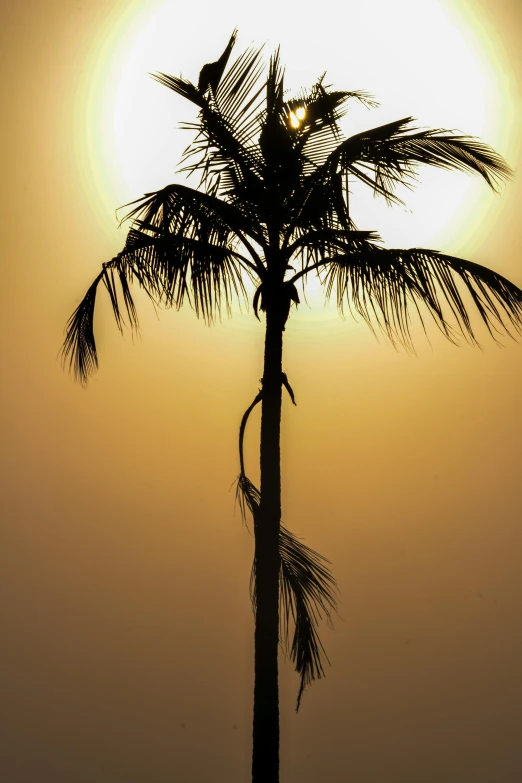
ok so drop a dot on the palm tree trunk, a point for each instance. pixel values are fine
(265, 757)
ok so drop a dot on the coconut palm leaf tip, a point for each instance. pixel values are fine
(80, 345)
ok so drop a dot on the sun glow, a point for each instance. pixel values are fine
(297, 116)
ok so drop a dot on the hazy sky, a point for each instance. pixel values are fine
(127, 631)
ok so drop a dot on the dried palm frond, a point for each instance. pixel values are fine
(307, 593)
(306, 585)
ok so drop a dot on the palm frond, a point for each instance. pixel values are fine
(222, 143)
(319, 205)
(247, 494)
(324, 108)
(182, 87)
(317, 147)
(79, 346)
(307, 592)
(119, 267)
(380, 285)
(205, 273)
(179, 249)
(385, 156)
(238, 97)
(227, 126)
(180, 209)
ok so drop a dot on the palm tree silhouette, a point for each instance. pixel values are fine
(275, 173)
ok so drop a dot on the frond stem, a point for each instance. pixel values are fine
(258, 265)
(309, 269)
(242, 427)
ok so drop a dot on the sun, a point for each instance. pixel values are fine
(297, 116)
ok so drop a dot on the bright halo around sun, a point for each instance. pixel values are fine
(419, 60)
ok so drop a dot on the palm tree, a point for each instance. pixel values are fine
(273, 191)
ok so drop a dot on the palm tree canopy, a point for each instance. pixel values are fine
(274, 175)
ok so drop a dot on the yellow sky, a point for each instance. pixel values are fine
(127, 628)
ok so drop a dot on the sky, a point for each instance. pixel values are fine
(127, 652)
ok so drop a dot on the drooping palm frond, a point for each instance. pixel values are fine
(179, 214)
(380, 284)
(120, 267)
(182, 247)
(191, 238)
(205, 274)
(80, 345)
(307, 591)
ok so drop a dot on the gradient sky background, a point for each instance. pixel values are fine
(127, 631)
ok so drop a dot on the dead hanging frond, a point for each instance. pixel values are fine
(248, 496)
(306, 592)
(79, 347)
(306, 586)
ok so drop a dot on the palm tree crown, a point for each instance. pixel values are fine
(272, 204)
(274, 177)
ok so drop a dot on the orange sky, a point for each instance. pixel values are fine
(127, 627)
